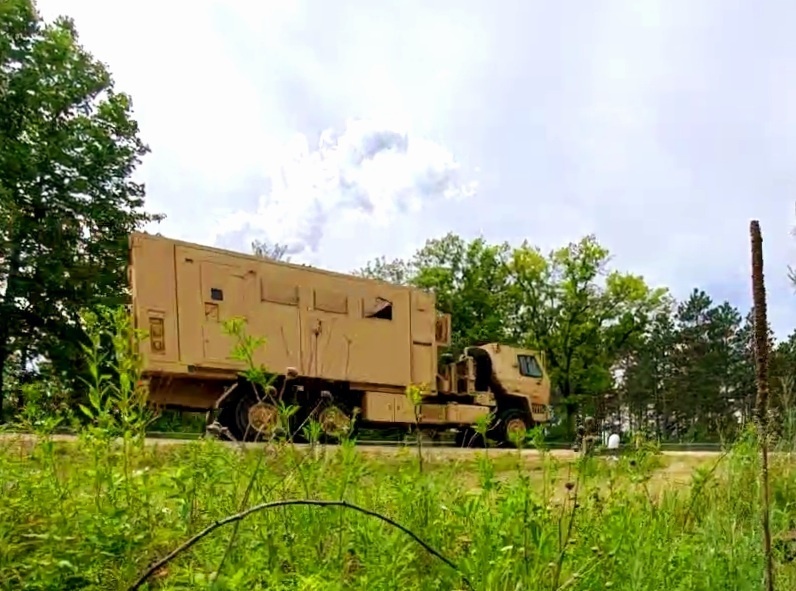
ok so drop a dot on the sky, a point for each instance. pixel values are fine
(353, 129)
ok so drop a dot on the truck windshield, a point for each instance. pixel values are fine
(529, 367)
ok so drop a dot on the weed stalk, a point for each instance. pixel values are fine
(761, 358)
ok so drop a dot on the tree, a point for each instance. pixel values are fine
(583, 315)
(567, 304)
(68, 148)
(469, 279)
(783, 384)
(709, 359)
(275, 252)
(692, 376)
(395, 271)
(471, 282)
(645, 386)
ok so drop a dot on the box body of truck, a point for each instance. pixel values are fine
(325, 325)
(345, 341)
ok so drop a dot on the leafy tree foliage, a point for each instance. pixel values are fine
(615, 347)
(68, 148)
(581, 313)
(693, 376)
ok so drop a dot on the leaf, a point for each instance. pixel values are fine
(86, 411)
(70, 147)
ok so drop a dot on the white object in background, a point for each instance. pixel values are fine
(613, 441)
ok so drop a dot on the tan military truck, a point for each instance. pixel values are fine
(339, 345)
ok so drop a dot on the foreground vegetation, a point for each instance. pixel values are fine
(98, 512)
(94, 514)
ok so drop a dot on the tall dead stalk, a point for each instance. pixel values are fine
(761, 358)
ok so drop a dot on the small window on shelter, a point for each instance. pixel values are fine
(331, 301)
(529, 367)
(379, 308)
(277, 292)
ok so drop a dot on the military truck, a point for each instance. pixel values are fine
(339, 346)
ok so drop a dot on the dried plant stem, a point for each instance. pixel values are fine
(761, 357)
(305, 502)
(564, 543)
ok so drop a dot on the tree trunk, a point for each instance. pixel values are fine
(3, 357)
(571, 409)
(7, 307)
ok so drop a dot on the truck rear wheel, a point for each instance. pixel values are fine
(336, 422)
(256, 420)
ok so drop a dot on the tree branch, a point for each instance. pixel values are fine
(292, 502)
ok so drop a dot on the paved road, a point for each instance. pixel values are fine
(367, 448)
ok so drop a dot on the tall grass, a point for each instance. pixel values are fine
(97, 512)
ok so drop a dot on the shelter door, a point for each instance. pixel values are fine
(224, 291)
(326, 346)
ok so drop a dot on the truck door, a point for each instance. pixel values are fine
(224, 296)
(423, 326)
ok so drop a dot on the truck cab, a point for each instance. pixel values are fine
(512, 380)
(519, 376)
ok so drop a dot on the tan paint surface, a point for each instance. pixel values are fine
(313, 320)
(316, 321)
(505, 365)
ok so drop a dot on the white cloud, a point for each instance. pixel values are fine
(663, 125)
(213, 90)
(199, 109)
(370, 173)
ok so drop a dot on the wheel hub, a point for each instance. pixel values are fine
(515, 428)
(263, 417)
(333, 421)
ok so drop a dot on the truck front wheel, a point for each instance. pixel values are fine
(261, 419)
(513, 427)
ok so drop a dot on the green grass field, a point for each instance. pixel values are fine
(98, 512)
(91, 514)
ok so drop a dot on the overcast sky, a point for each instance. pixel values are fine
(352, 128)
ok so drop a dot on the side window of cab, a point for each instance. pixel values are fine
(529, 367)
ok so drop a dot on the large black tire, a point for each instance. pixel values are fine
(337, 421)
(247, 409)
(512, 421)
(257, 419)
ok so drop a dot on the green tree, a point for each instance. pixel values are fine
(567, 303)
(783, 385)
(396, 271)
(582, 314)
(692, 375)
(704, 358)
(68, 148)
(471, 282)
(742, 371)
(644, 391)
